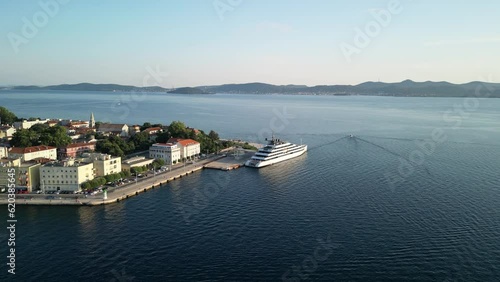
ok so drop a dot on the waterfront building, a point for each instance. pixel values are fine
(27, 124)
(34, 152)
(189, 148)
(74, 150)
(104, 164)
(65, 175)
(136, 162)
(26, 175)
(169, 152)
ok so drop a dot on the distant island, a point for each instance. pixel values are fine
(189, 90)
(406, 88)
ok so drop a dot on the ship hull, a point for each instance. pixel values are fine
(263, 163)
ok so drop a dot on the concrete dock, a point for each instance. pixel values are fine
(231, 161)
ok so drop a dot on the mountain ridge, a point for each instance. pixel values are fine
(405, 88)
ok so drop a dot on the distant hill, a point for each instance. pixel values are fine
(92, 87)
(189, 90)
(406, 88)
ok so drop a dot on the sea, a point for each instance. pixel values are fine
(391, 189)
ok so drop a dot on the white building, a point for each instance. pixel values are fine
(35, 152)
(104, 164)
(26, 175)
(4, 152)
(27, 124)
(136, 162)
(170, 153)
(65, 176)
(189, 147)
(114, 129)
(7, 131)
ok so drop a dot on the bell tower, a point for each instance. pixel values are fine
(92, 121)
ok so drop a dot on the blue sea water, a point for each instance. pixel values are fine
(377, 207)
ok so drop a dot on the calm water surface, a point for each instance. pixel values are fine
(330, 215)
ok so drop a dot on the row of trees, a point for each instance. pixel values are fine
(99, 181)
(157, 163)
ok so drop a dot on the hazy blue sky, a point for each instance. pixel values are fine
(274, 41)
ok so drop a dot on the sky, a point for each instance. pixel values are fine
(211, 42)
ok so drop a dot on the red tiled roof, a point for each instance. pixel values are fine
(152, 129)
(183, 142)
(21, 150)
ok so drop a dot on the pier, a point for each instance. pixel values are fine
(233, 160)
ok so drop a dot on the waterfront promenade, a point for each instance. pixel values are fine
(114, 195)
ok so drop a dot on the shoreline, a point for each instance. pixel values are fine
(115, 195)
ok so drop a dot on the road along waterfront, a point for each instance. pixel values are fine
(113, 195)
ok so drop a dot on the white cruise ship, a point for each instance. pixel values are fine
(274, 152)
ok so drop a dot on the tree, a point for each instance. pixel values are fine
(178, 129)
(158, 163)
(213, 135)
(24, 138)
(55, 136)
(39, 128)
(146, 125)
(140, 141)
(107, 147)
(86, 185)
(7, 116)
(163, 137)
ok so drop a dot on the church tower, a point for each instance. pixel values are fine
(92, 121)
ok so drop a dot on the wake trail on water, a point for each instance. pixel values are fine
(327, 144)
(420, 139)
(373, 144)
(391, 152)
